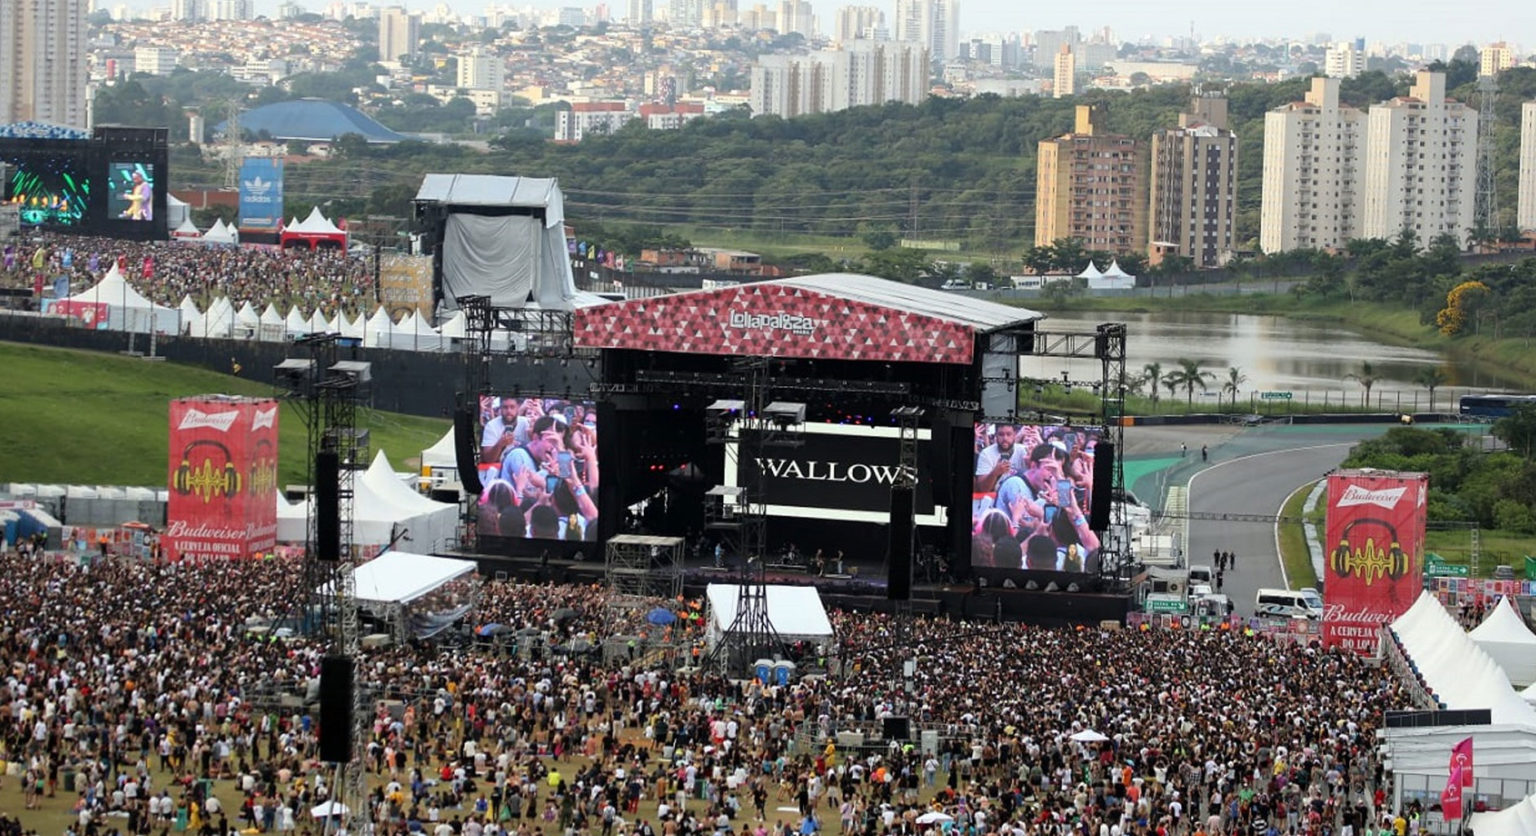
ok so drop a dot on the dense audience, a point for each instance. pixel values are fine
(134, 690)
(165, 272)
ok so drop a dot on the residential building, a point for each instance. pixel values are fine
(1313, 172)
(1420, 164)
(1526, 214)
(1495, 58)
(1064, 79)
(861, 72)
(685, 13)
(932, 24)
(42, 62)
(796, 16)
(1089, 187)
(186, 10)
(665, 117)
(591, 118)
(1344, 60)
(1193, 191)
(857, 22)
(481, 69)
(399, 34)
(1048, 43)
(229, 9)
(640, 12)
(154, 60)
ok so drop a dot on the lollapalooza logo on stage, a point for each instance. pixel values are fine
(794, 323)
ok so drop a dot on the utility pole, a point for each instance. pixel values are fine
(1486, 217)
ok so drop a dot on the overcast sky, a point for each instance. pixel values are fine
(1413, 21)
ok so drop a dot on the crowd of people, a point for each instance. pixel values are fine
(166, 272)
(133, 693)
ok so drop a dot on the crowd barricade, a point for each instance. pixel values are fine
(1289, 630)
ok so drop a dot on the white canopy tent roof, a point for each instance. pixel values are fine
(435, 521)
(296, 323)
(317, 323)
(401, 577)
(219, 319)
(221, 233)
(1090, 272)
(1504, 636)
(351, 327)
(441, 455)
(315, 224)
(187, 229)
(127, 309)
(377, 330)
(1519, 820)
(796, 612)
(1459, 673)
(456, 327)
(1114, 271)
(272, 325)
(414, 334)
(191, 317)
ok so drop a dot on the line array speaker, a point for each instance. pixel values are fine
(1103, 486)
(899, 581)
(327, 506)
(336, 709)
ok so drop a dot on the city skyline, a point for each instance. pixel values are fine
(1476, 21)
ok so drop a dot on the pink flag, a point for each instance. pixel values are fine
(1461, 758)
(1450, 797)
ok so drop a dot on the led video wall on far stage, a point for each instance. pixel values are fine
(107, 183)
(1031, 496)
(539, 468)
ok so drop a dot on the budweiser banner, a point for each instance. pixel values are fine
(222, 477)
(1375, 546)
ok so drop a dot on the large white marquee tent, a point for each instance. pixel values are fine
(1504, 636)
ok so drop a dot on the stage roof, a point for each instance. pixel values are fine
(488, 190)
(826, 316)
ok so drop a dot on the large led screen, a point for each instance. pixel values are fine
(538, 462)
(131, 192)
(1030, 498)
(49, 192)
(835, 472)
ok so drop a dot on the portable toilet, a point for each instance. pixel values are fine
(783, 672)
(762, 669)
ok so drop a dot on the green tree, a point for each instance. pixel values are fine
(1366, 377)
(1189, 375)
(1518, 430)
(1154, 374)
(1431, 378)
(1234, 383)
(880, 239)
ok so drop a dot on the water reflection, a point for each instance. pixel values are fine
(1274, 353)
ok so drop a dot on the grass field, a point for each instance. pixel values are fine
(78, 417)
(1497, 547)
(1294, 555)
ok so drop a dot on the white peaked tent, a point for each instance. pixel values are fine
(272, 325)
(351, 327)
(414, 334)
(1529, 694)
(315, 224)
(1090, 272)
(317, 323)
(296, 324)
(1112, 279)
(247, 322)
(186, 230)
(127, 310)
(434, 524)
(1519, 820)
(441, 456)
(375, 520)
(796, 612)
(376, 331)
(191, 317)
(1459, 673)
(1504, 636)
(219, 321)
(292, 521)
(221, 233)
(333, 325)
(456, 328)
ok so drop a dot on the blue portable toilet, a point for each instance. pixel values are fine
(763, 670)
(783, 672)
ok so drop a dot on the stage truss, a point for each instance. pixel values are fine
(1105, 345)
(638, 570)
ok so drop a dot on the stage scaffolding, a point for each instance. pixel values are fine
(644, 566)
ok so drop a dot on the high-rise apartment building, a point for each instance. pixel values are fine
(1526, 213)
(1495, 58)
(1088, 187)
(42, 62)
(1312, 172)
(685, 12)
(1193, 193)
(1420, 164)
(796, 16)
(481, 69)
(640, 12)
(1048, 43)
(861, 73)
(399, 34)
(186, 10)
(1064, 76)
(1344, 60)
(154, 60)
(932, 24)
(858, 22)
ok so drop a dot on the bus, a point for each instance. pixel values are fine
(1494, 406)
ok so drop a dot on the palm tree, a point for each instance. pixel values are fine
(1171, 382)
(1189, 375)
(1431, 378)
(1234, 383)
(1366, 377)
(1154, 372)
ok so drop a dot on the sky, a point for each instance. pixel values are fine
(1413, 21)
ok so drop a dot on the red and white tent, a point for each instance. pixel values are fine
(313, 232)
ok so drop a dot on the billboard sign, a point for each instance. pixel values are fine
(1375, 553)
(837, 472)
(93, 314)
(1030, 498)
(261, 194)
(774, 320)
(222, 477)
